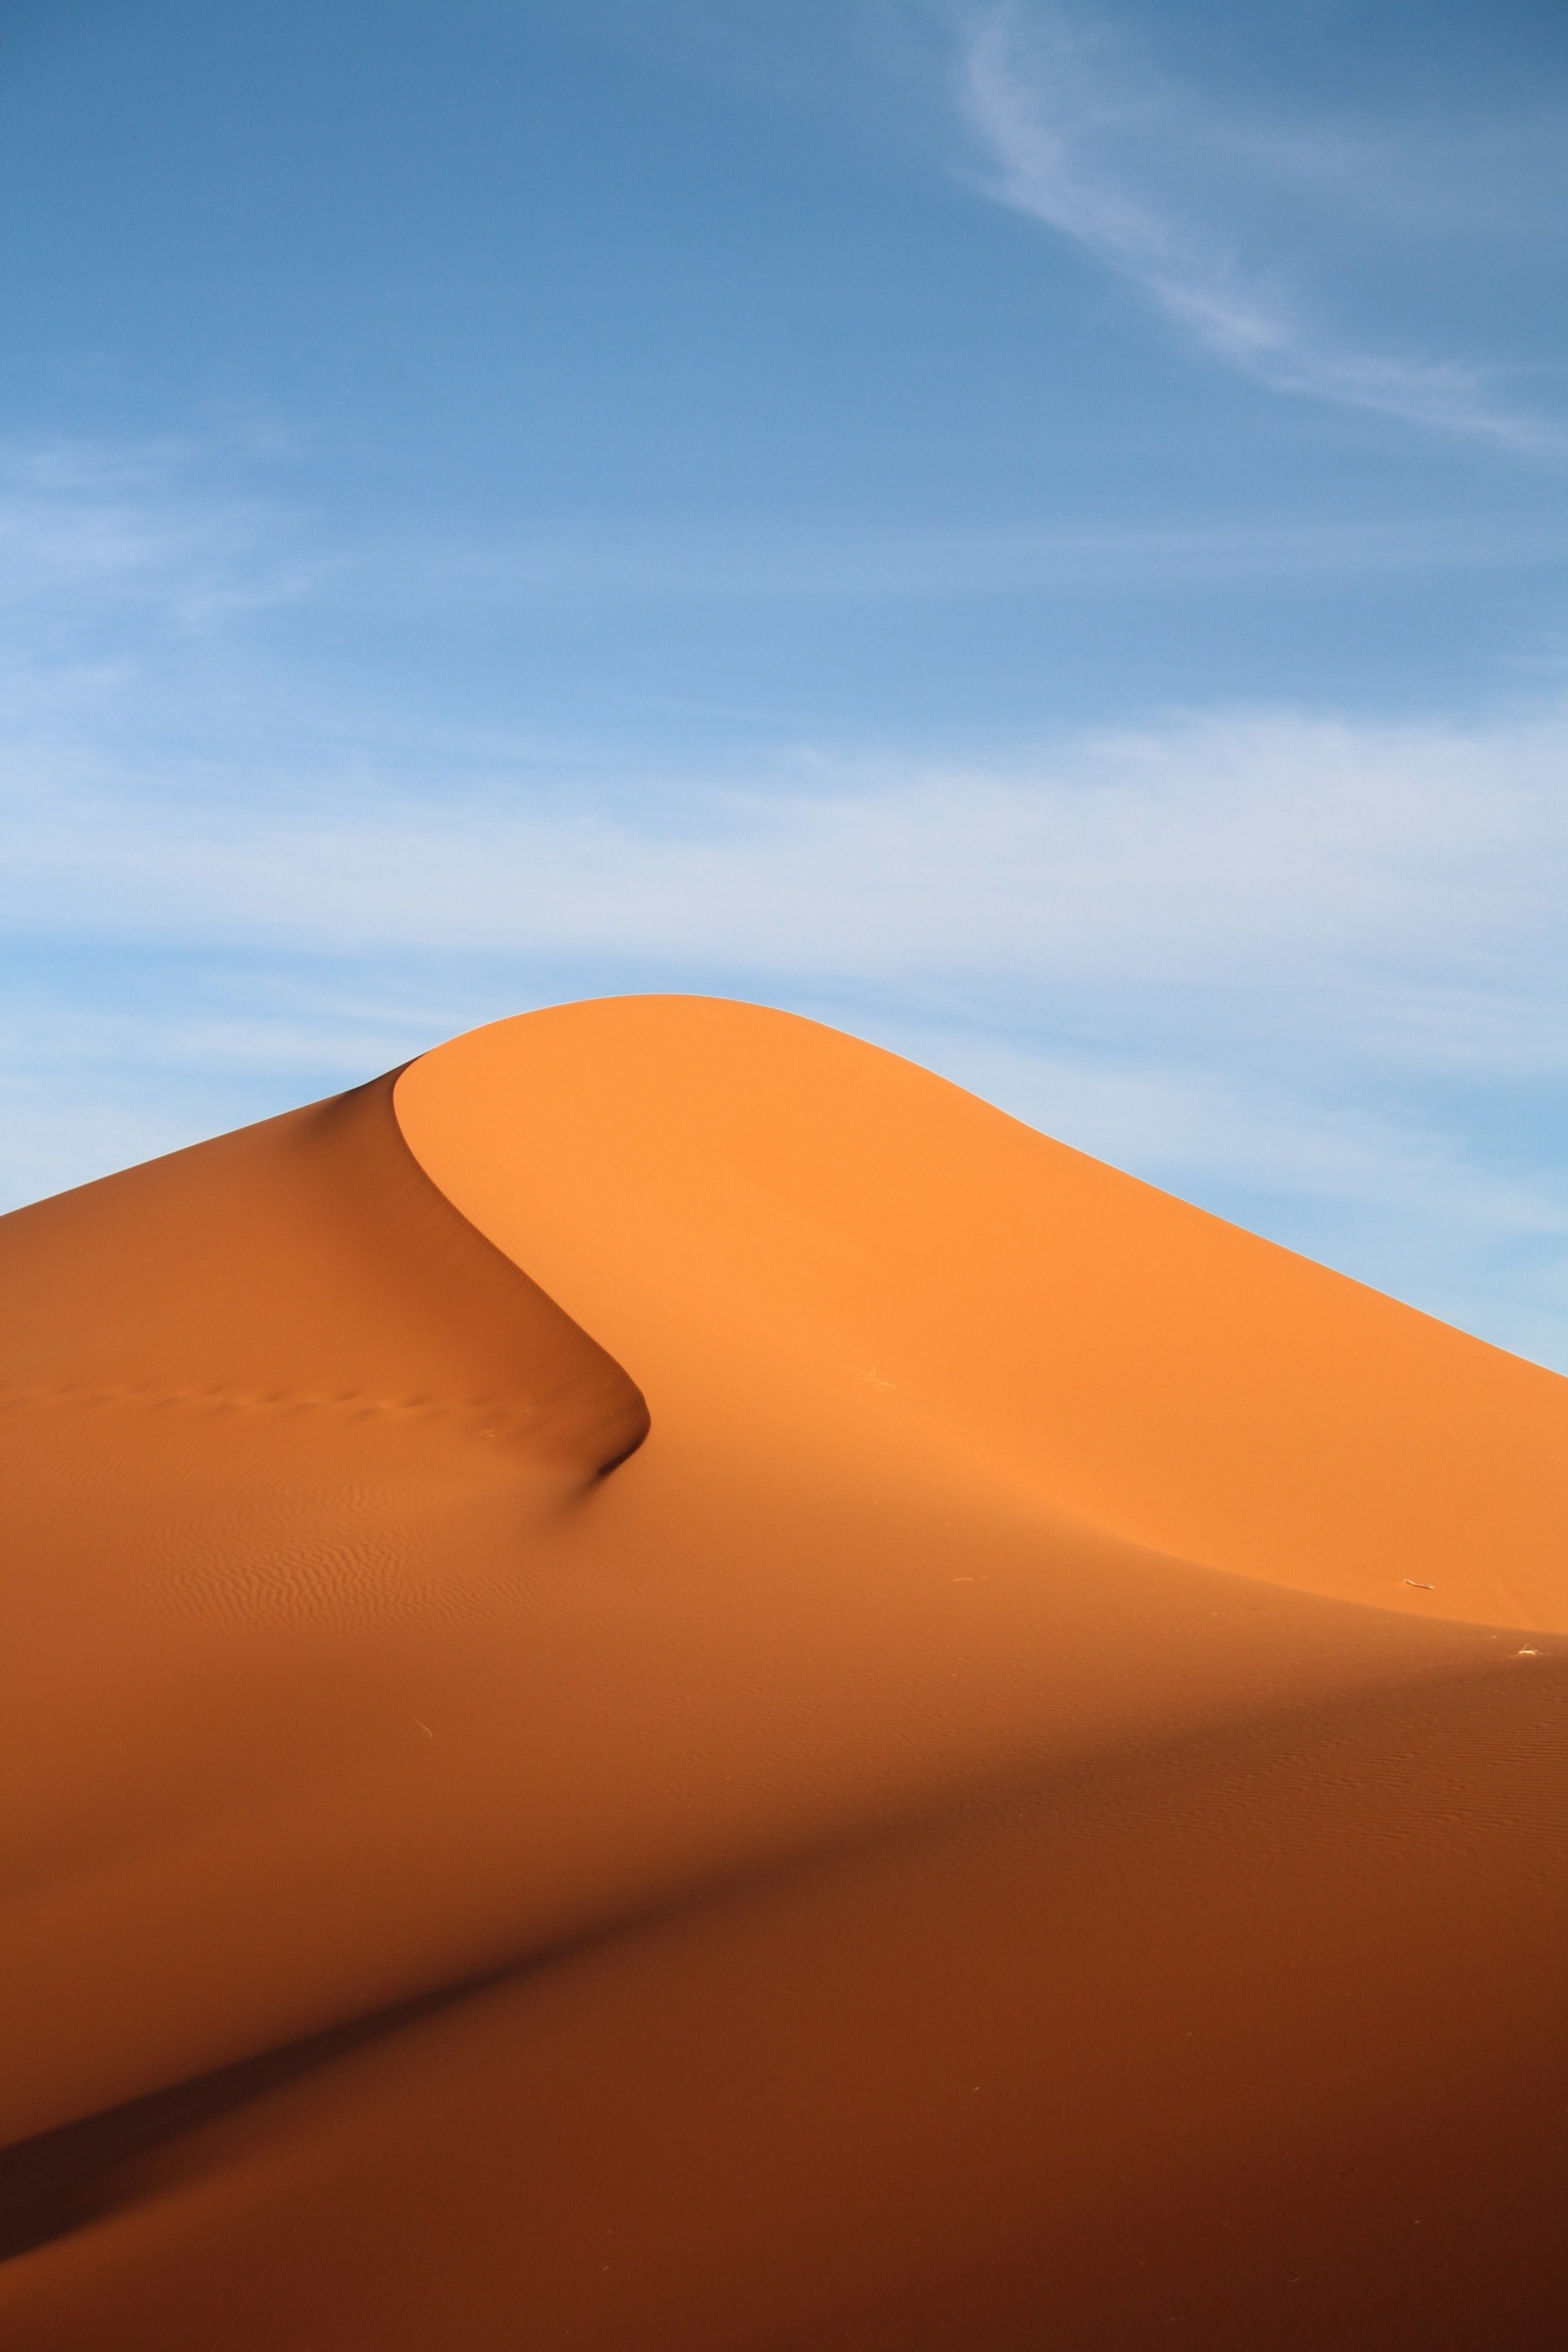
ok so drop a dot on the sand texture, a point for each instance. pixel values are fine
(669, 1686)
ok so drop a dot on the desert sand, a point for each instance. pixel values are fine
(669, 1686)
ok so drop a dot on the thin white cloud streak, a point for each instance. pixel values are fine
(1253, 957)
(1045, 107)
(87, 532)
(1411, 878)
(1190, 852)
(888, 567)
(106, 550)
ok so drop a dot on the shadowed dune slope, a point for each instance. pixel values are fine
(255, 1395)
(1028, 1813)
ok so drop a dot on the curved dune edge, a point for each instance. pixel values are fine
(890, 1867)
(738, 1197)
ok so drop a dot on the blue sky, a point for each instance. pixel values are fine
(1036, 534)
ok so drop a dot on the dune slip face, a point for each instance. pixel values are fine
(277, 1417)
(1016, 1800)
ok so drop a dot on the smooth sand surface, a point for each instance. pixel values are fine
(1017, 1801)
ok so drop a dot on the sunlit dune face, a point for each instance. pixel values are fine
(768, 1217)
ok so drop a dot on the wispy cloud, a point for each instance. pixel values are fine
(1307, 969)
(1059, 113)
(141, 529)
(1205, 849)
(111, 556)
(1308, 972)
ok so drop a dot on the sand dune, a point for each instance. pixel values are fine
(1027, 1812)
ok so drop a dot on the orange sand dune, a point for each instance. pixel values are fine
(1029, 1813)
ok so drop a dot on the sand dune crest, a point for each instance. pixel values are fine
(1025, 1814)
